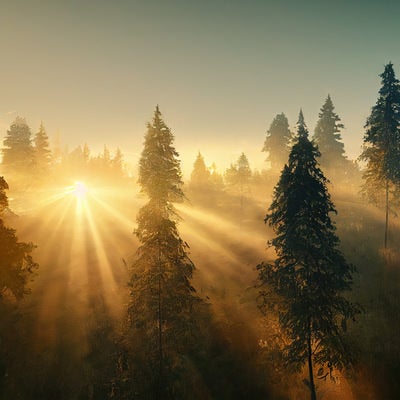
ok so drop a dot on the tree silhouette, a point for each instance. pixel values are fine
(328, 139)
(277, 142)
(200, 176)
(163, 300)
(42, 152)
(18, 152)
(381, 149)
(310, 273)
(16, 264)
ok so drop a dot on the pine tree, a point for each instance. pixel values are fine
(310, 274)
(117, 164)
(16, 264)
(200, 176)
(277, 142)
(42, 152)
(18, 152)
(328, 139)
(201, 187)
(239, 174)
(163, 300)
(382, 145)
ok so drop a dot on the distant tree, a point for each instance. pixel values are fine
(381, 150)
(329, 141)
(238, 177)
(200, 176)
(18, 152)
(216, 178)
(86, 153)
(310, 274)
(163, 300)
(42, 152)
(239, 173)
(277, 142)
(117, 163)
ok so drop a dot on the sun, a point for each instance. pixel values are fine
(79, 190)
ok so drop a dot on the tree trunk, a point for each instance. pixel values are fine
(310, 366)
(387, 213)
(160, 346)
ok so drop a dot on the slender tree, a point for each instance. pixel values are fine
(310, 274)
(328, 139)
(42, 152)
(238, 176)
(381, 150)
(277, 142)
(200, 176)
(162, 297)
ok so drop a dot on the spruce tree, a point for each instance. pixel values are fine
(328, 139)
(310, 275)
(200, 176)
(16, 264)
(381, 150)
(42, 152)
(277, 142)
(163, 300)
(239, 174)
(18, 152)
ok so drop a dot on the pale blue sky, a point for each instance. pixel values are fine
(220, 70)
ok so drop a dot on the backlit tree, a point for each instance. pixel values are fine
(163, 300)
(310, 275)
(382, 145)
(18, 151)
(277, 142)
(328, 139)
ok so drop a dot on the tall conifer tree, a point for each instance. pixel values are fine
(328, 139)
(42, 152)
(310, 274)
(16, 264)
(18, 152)
(162, 297)
(277, 142)
(382, 144)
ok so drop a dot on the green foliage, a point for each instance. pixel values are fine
(277, 142)
(310, 274)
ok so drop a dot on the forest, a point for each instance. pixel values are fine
(281, 283)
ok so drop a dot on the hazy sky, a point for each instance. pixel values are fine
(220, 70)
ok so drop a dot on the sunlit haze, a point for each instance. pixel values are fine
(220, 71)
(218, 262)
